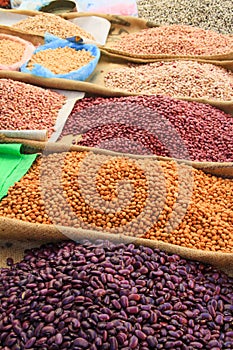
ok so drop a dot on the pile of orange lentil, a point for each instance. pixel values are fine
(146, 198)
(11, 51)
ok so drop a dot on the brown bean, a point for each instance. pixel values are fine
(197, 208)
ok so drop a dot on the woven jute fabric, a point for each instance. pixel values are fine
(110, 59)
(23, 236)
(17, 235)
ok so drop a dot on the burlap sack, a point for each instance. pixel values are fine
(126, 25)
(223, 169)
(119, 24)
(13, 245)
(94, 85)
(152, 58)
(108, 64)
(22, 234)
(15, 235)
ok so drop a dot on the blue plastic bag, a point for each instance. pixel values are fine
(80, 74)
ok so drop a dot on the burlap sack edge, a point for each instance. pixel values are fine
(156, 58)
(124, 20)
(13, 229)
(95, 89)
(62, 84)
(224, 169)
(33, 38)
(19, 230)
(117, 19)
(150, 58)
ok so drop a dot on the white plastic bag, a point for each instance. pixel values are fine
(15, 3)
(29, 4)
(115, 7)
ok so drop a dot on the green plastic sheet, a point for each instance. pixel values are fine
(13, 165)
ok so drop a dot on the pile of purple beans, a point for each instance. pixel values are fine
(153, 125)
(106, 296)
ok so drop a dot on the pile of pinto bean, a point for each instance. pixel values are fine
(28, 107)
(96, 294)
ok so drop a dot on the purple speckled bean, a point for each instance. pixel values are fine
(147, 316)
(82, 343)
(133, 343)
(113, 343)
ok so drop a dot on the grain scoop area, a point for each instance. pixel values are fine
(116, 175)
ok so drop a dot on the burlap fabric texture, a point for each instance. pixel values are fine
(110, 59)
(15, 235)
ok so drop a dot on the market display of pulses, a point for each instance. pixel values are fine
(164, 201)
(26, 106)
(106, 296)
(169, 127)
(174, 78)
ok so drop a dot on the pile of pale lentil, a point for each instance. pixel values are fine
(153, 125)
(159, 200)
(175, 79)
(61, 60)
(49, 23)
(113, 296)
(11, 51)
(175, 40)
(208, 14)
(24, 106)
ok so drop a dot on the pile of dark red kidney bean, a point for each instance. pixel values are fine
(153, 125)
